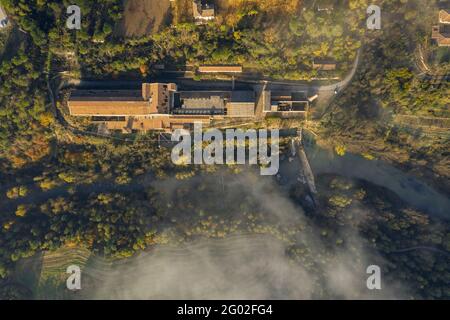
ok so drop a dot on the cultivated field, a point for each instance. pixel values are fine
(144, 17)
(53, 276)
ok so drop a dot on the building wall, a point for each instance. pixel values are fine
(240, 109)
(108, 108)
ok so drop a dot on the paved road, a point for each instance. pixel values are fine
(190, 84)
(326, 93)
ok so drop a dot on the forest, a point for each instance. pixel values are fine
(24, 130)
(247, 33)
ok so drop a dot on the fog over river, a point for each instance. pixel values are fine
(260, 265)
(246, 266)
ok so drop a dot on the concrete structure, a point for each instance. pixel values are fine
(128, 111)
(306, 175)
(164, 123)
(241, 104)
(220, 69)
(160, 96)
(441, 32)
(4, 21)
(160, 106)
(287, 102)
(216, 103)
(108, 103)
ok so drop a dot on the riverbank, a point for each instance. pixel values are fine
(435, 174)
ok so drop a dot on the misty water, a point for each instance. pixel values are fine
(245, 266)
(409, 188)
(239, 267)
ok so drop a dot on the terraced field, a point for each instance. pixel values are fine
(204, 269)
(239, 267)
(52, 279)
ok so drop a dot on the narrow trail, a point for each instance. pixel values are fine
(421, 248)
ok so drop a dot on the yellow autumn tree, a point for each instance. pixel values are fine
(21, 210)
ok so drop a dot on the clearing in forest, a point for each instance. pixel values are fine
(144, 17)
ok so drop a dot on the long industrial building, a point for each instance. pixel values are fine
(160, 106)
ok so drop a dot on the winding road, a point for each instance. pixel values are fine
(326, 92)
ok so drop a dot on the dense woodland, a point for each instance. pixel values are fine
(387, 87)
(25, 120)
(269, 37)
(388, 225)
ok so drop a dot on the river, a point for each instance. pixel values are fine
(409, 188)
